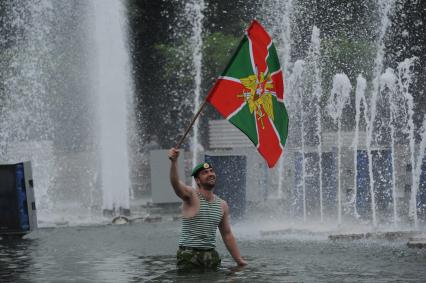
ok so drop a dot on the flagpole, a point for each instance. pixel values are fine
(205, 100)
(192, 123)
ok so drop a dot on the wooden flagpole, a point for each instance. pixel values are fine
(192, 123)
(205, 100)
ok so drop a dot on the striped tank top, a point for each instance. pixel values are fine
(200, 231)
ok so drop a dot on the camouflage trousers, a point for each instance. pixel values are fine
(196, 259)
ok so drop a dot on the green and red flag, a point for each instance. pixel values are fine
(250, 93)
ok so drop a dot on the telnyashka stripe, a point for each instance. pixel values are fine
(200, 231)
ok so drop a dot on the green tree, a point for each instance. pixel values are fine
(349, 56)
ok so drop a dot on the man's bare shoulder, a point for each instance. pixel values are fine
(224, 205)
(191, 193)
(191, 204)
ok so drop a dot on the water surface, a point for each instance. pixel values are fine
(146, 253)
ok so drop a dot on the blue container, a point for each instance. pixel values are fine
(22, 198)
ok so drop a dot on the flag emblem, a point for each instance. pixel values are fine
(259, 95)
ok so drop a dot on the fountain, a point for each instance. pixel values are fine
(354, 166)
(337, 102)
(64, 94)
(113, 90)
(317, 92)
(370, 187)
(359, 100)
(194, 10)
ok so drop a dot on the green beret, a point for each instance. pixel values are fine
(199, 167)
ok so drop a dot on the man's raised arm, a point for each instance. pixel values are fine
(181, 190)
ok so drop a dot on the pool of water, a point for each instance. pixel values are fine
(145, 252)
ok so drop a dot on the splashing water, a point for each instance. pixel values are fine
(405, 79)
(360, 100)
(194, 10)
(113, 89)
(61, 73)
(388, 80)
(317, 93)
(338, 100)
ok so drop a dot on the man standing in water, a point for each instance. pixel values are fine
(203, 212)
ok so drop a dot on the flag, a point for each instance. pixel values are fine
(250, 93)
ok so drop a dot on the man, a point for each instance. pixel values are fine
(203, 212)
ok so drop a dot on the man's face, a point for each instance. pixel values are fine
(206, 178)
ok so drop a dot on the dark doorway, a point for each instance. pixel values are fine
(421, 194)
(312, 189)
(382, 172)
(363, 194)
(231, 181)
(329, 182)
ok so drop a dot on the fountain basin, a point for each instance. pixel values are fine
(390, 236)
(417, 242)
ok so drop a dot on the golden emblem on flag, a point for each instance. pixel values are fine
(259, 95)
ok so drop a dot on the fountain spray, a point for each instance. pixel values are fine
(194, 10)
(340, 97)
